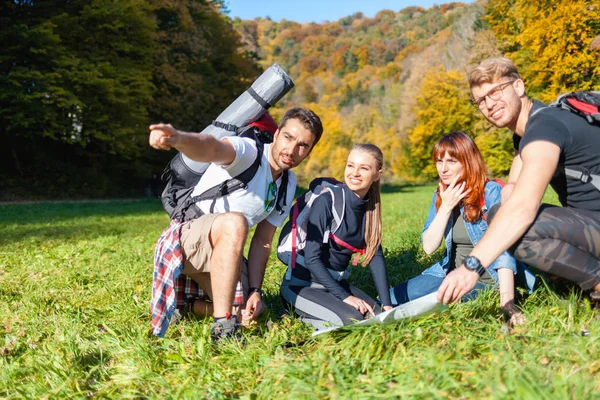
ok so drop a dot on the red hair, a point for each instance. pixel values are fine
(460, 146)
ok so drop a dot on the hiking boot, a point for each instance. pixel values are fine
(224, 328)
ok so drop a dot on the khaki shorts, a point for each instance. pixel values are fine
(197, 251)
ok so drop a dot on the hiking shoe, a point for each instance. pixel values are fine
(224, 328)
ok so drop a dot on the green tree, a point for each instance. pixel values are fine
(77, 73)
(199, 63)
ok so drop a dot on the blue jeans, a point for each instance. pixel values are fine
(422, 285)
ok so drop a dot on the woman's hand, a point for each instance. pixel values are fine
(386, 308)
(362, 306)
(453, 194)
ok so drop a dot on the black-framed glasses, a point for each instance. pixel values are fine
(494, 93)
(271, 196)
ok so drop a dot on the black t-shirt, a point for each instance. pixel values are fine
(579, 143)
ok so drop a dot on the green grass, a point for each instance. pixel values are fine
(75, 285)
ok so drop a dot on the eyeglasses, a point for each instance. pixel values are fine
(271, 196)
(494, 93)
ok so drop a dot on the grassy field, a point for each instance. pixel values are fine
(74, 322)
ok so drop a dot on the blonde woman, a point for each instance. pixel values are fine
(318, 289)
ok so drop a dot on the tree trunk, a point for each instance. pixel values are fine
(16, 160)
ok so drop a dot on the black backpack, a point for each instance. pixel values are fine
(583, 103)
(586, 104)
(180, 181)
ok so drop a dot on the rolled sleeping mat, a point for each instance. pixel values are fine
(266, 90)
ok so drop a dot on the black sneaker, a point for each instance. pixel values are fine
(224, 328)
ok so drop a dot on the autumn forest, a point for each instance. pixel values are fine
(80, 81)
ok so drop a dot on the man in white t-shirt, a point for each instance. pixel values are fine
(213, 244)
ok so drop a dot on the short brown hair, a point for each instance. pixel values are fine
(491, 70)
(307, 118)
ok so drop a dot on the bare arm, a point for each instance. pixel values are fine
(258, 255)
(196, 146)
(514, 217)
(515, 168)
(513, 175)
(540, 160)
(432, 237)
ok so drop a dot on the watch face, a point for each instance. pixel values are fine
(472, 263)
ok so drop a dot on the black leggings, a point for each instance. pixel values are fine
(563, 241)
(312, 300)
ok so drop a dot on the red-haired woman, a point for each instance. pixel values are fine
(458, 214)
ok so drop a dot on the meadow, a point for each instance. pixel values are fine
(75, 283)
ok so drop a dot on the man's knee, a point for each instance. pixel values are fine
(231, 225)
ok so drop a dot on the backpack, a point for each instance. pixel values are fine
(583, 103)
(293, 234)
(180, 180)
(586, 104)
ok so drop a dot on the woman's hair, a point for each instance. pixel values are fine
(460, 146)
(373, 214)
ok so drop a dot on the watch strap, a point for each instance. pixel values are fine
(255, 290)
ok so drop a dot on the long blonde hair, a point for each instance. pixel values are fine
(373, 214)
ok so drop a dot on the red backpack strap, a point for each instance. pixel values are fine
(349, 247)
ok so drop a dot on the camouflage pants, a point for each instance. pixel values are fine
(564, 242)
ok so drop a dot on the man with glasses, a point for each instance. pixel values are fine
(213, 244)
(563, 241)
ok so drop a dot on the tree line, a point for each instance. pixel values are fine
(81, 80)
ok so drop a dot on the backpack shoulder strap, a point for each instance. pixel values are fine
(338, 206)
(584, 176)
(537, 111)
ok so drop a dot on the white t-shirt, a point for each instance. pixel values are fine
(249, 201)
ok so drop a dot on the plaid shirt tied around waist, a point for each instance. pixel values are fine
(170, 288)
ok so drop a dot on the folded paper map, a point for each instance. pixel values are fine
(418, 308)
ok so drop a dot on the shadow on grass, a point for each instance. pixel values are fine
(23, 214)
(49, 222)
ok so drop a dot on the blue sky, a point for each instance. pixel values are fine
(318, 10)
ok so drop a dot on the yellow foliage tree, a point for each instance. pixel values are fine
(442, 106)
(550, 42)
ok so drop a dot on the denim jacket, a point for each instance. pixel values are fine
(475, 231)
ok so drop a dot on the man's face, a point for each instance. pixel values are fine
(499, 101)
(291, 144)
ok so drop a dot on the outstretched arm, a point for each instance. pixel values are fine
(540, 160)
(196, 146)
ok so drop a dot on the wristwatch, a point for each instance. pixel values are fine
(473, 264)
(256, 290)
